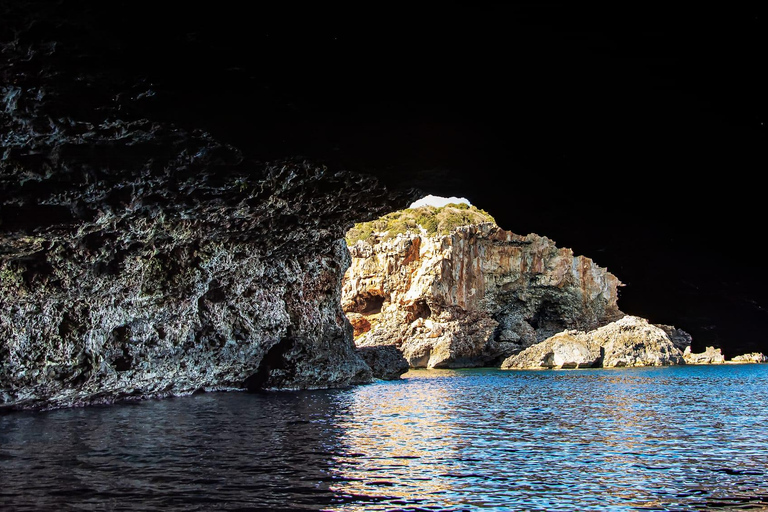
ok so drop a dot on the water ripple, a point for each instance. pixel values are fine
(679, 438)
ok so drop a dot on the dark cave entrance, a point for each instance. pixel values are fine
(366, 303)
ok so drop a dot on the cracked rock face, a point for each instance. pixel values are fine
(473, 297)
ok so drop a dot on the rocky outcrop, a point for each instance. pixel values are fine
(752, 357)
(140, 255)
(711, 355)
(570, 349)
(153, 278)
(679, 338)
(473, 297)
(386, 361)
(630, 341)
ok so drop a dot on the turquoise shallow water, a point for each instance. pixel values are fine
(674, 438)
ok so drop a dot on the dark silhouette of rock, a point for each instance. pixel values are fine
(386, 361)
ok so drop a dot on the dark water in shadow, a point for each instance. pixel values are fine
(677, 438)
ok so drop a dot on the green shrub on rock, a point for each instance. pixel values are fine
(427, 220)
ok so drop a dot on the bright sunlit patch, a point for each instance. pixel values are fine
(438, 201)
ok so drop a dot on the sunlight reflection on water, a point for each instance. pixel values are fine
(663, 438)
(677, 438)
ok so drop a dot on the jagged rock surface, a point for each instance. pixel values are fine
(630, 341)
(753, 357)
(473, 297)
(711, 355)
(386, 361)
(144, 285)
(140, 256)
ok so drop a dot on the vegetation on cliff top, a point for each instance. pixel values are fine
(430, 219)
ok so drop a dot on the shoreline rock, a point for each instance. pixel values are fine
(753, 357)
(711, 355)
(628, 342)
(386, 361)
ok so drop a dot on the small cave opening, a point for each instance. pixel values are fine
(547, 320)
(419, 309)
(366, 303)
(274, 359)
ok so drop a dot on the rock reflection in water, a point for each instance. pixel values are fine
(655, 438)
(401, 447)
(214, 451)
(675, 438)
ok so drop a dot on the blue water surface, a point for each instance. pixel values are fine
(671, 438)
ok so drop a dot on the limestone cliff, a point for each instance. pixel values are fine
(471, 297)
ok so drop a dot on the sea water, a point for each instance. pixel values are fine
(671, 438)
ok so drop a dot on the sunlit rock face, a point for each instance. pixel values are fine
(711, 355)
(752, 357)
(630, 341)
(473, 297)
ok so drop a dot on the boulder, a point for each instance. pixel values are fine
(570, 349)
(711, 355)
(630, 341)
(386, 361)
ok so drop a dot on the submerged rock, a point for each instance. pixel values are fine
(630, 341)
(472, 297)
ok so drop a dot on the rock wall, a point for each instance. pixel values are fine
(140, 255)
(473, 297)
(156, 280)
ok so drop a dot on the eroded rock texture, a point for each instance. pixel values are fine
(711, 355)
(630, 341)
(752, 357)
(139, 254)
(386, 361)
(164, 278)
(473, 297)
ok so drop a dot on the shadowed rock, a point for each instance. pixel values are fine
(386, 361)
